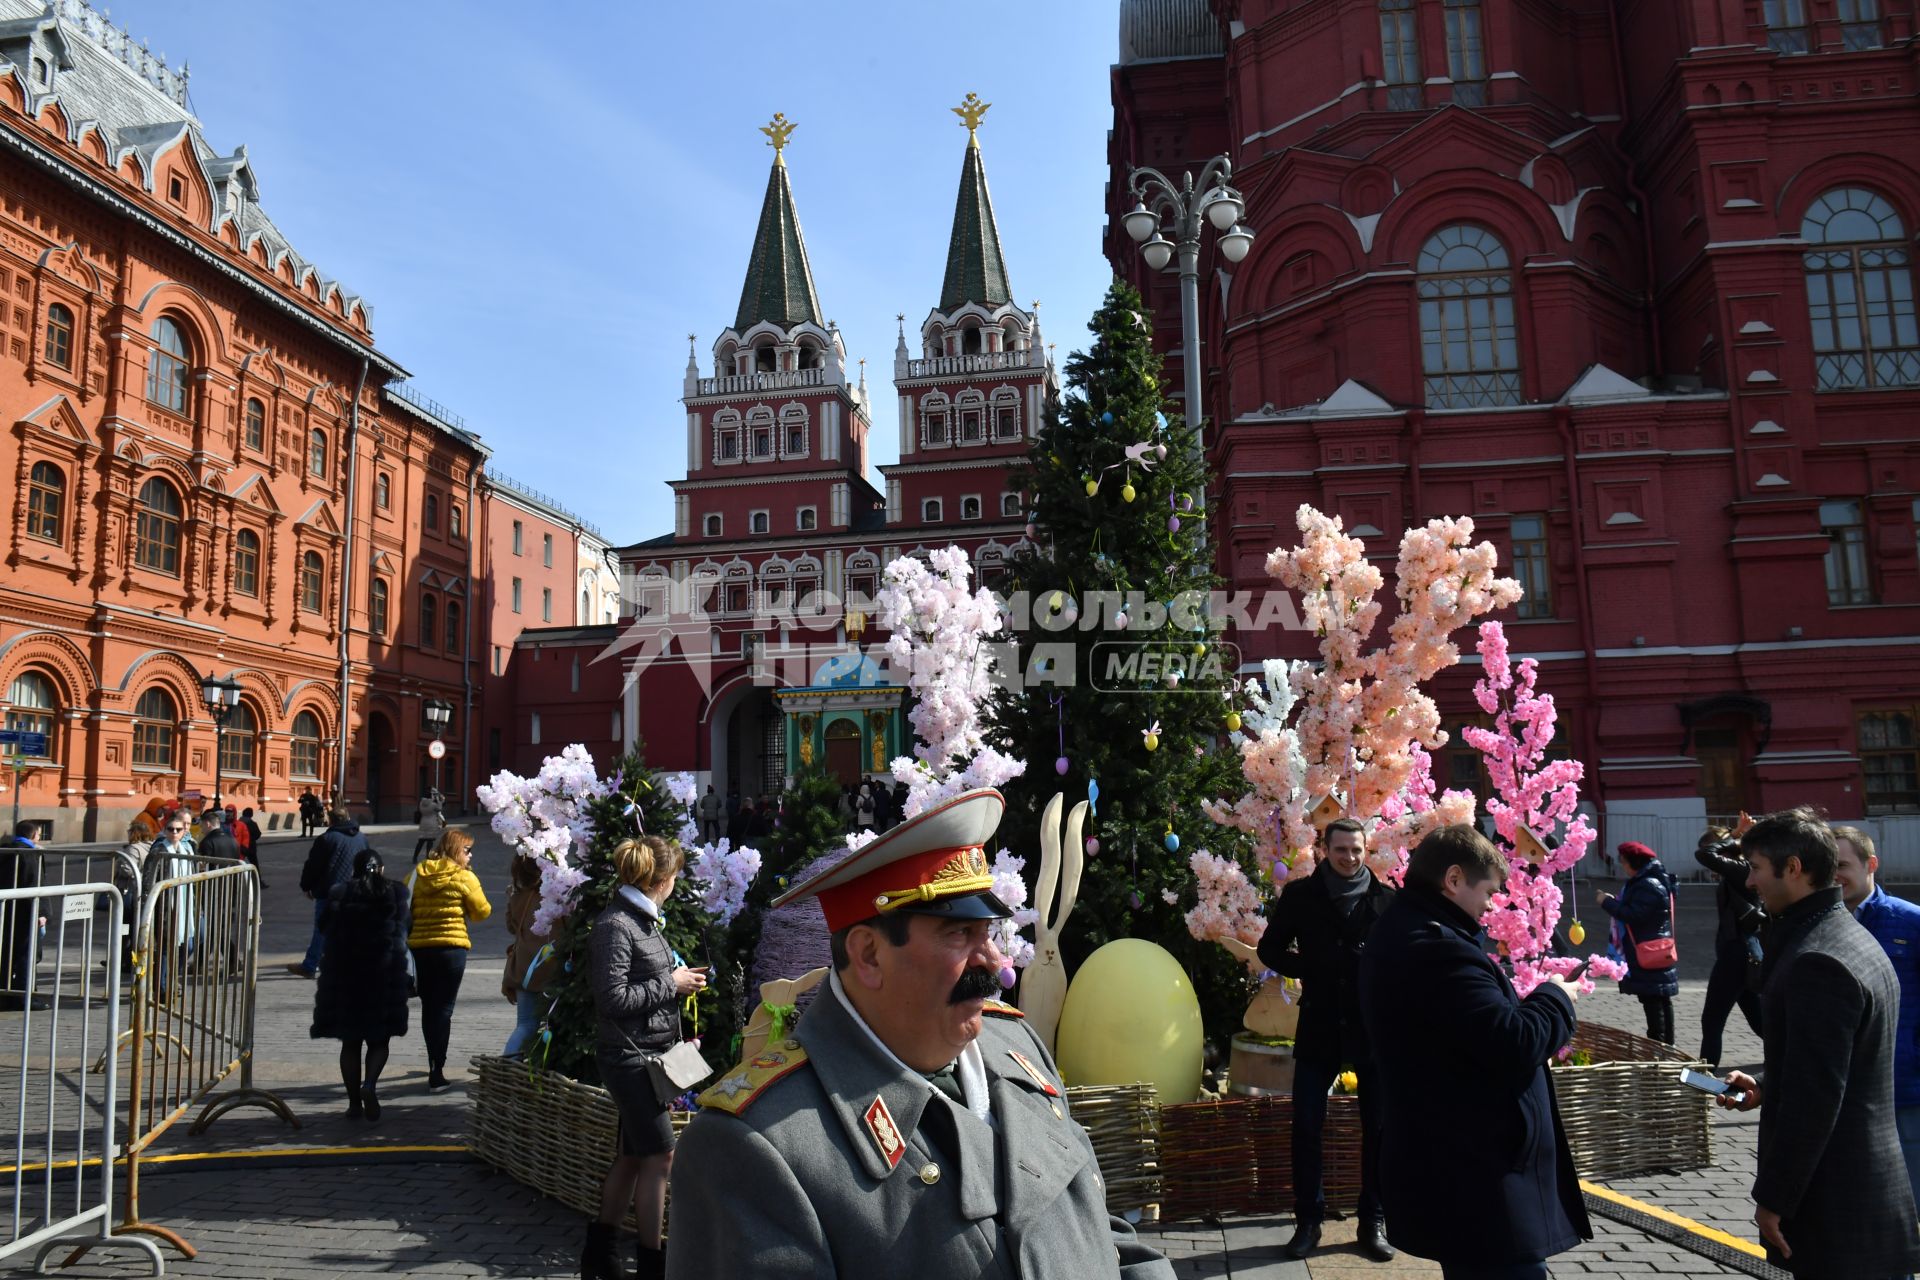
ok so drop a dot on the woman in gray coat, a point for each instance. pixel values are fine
(637, 990)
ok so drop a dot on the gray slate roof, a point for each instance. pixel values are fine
(105, 81)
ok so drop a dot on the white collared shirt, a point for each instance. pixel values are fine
(970, 1068)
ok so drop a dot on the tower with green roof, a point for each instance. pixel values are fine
(973, 383)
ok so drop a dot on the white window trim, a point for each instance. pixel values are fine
(760, 521)
(941, 510)
(799, 521)
(713, 525)
(980, 508)
(1010, 500)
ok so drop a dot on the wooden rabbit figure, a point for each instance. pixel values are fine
(1274, 1011)
(1043, 988)
(776, 1004)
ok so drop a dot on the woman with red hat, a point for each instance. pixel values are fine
(1644, 911)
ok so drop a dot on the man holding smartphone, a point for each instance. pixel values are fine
(1831, 1195)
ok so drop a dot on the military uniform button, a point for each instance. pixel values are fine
(930, 1173)
(790, 1044)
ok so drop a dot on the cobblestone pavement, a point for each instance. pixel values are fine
(303, 1216)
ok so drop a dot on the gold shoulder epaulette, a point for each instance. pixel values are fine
(736, 1090)
(1003, 1009)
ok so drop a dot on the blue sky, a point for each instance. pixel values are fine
(542, 201)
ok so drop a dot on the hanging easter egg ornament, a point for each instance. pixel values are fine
(1150, 737)
(1093, 845)
(1576, 933)
(1126, 493)
(1186, 502)
(1173, 524)
(1093, 487)
(1032, 529)
(1061, 765)
(1120, 620)
(1160, 452)
(1172, 842)
(1233, 721)
(1106, 419)
(1006, 976)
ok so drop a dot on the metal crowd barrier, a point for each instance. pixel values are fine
(58, 868)
(196, 951)
(60, 1180)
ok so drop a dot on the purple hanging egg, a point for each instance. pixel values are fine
(1006, 976)
(1186, 502)
(1032, 529)
(1135, 899)
(1093, 846)
(1173, 524)
(1060, 766)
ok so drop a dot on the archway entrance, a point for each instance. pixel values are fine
(381, 763)
(843, 751)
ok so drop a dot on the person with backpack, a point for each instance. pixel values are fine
(1644, 911)
(329, 862)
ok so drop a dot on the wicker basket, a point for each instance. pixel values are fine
(1235, 1156)
(1626, 1114)
(557, 1135)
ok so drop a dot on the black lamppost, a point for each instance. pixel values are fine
(439, 714)
(221, 697)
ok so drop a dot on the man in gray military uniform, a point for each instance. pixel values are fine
(912, 1125)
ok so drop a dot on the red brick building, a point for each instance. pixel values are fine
(210, 479)
(735, 663)
(1629, 283)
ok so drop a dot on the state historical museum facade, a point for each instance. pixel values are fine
(1629, 283)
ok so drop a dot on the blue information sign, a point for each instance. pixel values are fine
(23, 742)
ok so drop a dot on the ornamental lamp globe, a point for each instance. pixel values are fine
(1235, 244)
(1224, 209)
(1141, 222)
(1158, 252)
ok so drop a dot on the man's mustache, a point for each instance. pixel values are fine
(977, 983)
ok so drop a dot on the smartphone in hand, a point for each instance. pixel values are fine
(1712, 1084)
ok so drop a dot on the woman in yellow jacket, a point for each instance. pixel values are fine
(446, 894)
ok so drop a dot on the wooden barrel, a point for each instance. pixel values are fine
(1257, 1070)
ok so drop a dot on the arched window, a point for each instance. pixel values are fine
(306, 746)
(1468, 345)
(317, 454)
(1860, 292)
(167, 366)
(246, 562)
(454, 635)
(238, 737)
(312, 572)
(31, 703)
(157, 529)
(154, 719)
(430, 512)
(453, 521)
(377, 607)
(60, 336)
(383, 491)
(429, 619)
(46, 502)
(256, 437)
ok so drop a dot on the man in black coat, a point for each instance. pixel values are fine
(1475, 1170)
(21, 919)
(1316, 930)
(215, 840)
(1831, 1197)
(329, 862)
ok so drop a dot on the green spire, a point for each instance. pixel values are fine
(779, 283)
(975, 270)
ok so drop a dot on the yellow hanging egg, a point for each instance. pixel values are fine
(1151, 741)
(1093, 487)
(1576, 933)
(1349, 1082)
(1199, 650)
(1126, 493)
(1233, 720)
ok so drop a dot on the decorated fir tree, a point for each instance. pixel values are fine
(1124, 682)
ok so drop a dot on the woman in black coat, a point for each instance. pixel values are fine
(361, 998)
(1645, 912)
(1738, 942)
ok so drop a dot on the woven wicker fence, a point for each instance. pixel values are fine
(1626, 1114)
(556, 1135)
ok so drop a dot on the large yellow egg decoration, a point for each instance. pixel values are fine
(1131, 1014)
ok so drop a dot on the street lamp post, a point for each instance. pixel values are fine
(221, 697)
(1187, 208)
(439, 713)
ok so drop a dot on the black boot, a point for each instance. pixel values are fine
(653, 1262)
(1306, 1238)
(600, 1260)
(1373, 1240)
